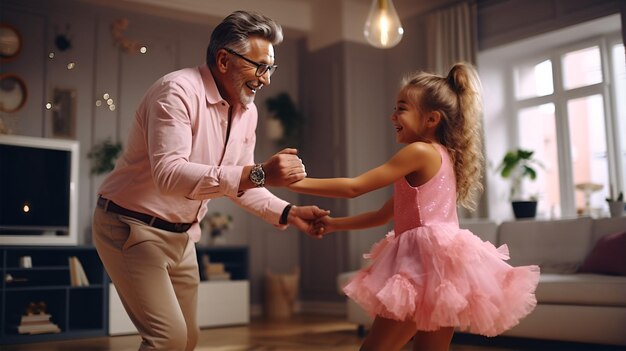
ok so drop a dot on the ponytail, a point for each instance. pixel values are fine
(458, 98)
(466, 138)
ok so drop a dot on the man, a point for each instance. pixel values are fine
(192, 140)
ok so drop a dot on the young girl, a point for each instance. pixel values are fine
(428, 276)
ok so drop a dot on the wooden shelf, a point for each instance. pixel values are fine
(78, 311)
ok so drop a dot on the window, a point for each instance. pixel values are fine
(568, 112)
(619, 82)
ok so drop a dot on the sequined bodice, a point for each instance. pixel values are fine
(433, 202)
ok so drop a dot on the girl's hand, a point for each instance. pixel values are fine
(323, 226)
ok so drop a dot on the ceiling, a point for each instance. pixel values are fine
(324, 21)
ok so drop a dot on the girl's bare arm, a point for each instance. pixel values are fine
(412, 158)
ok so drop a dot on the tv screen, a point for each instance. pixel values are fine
(37, 190)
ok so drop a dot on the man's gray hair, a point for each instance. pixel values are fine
(235, 30)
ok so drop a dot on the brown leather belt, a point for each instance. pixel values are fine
(110, 206)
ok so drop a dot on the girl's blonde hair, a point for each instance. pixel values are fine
(457, 98)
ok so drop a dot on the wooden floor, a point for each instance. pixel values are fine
(301, 333)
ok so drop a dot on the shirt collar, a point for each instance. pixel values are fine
(212, 93)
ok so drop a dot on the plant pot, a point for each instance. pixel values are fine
(616, 208)
(524, 209)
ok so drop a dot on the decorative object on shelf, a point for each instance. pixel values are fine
(13, 92)
(103, 156)
(517, 165)
(383, 28)
(8, 278)
(588, 188)
(285, 121)
(10, 42)
(131, 46)
(36, 320)
(616, 204)
(216, 223)
(26, 262)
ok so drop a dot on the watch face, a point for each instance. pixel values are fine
(257, 176)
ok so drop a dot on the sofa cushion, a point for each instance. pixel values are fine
(546, 242)
(582, 289)
(606, 226)
(608, 256)
(484, 229)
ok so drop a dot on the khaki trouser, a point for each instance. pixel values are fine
(155, 273)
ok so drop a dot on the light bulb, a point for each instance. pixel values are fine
(383, 28)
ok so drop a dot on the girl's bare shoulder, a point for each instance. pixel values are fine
(420, 148)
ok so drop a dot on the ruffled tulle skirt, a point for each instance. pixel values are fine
(443, 276)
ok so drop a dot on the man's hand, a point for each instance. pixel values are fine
(305, 217)
(322, 227)
(284, 168)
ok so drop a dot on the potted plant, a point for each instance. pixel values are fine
(216, 224)
(616, 204)
(517, 165)
(103, 156)
(289, 120)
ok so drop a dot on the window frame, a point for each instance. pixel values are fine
(560, 98)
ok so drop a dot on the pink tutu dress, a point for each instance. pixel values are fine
(430, 271)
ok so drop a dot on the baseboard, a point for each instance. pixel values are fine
(256, 310)
(323, 307)
(308, 307)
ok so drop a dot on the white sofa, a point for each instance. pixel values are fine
(578, 307)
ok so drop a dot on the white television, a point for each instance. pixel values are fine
(38, 191)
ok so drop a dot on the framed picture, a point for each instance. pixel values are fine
(13, 92)
(64, 114)
(10, 42)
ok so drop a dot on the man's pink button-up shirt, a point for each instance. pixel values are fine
(175, 159)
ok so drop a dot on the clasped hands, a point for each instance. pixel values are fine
(284, 168)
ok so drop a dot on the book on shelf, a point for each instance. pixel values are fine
(35, 318)
(219, 276)
(73, 272)
(77, 272)
(38, 328)
(213, 270)
(38, 323)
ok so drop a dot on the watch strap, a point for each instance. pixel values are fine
(285, 214)
(257, 175)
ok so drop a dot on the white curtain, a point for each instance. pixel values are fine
(451, 37)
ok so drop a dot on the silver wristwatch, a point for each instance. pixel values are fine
(257, 175)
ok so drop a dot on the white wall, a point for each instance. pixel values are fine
(101, 67)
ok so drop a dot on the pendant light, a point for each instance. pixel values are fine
(383, 28)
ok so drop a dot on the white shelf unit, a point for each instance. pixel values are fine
(220, 303)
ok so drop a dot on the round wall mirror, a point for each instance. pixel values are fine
(10, 41)
(13, 92)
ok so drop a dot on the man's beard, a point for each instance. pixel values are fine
(245, 94)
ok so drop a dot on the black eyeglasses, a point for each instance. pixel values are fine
(261, 68)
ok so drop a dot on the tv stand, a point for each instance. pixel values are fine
(79, 311)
